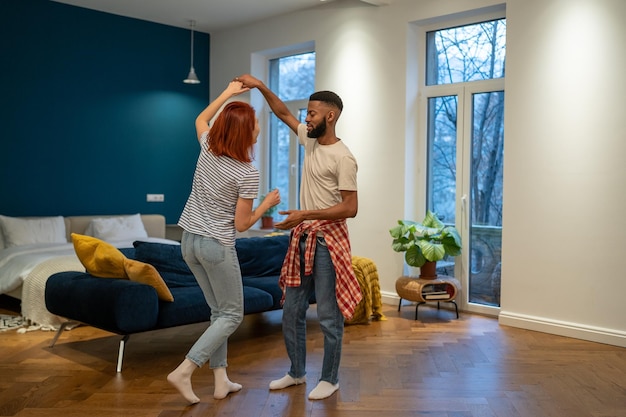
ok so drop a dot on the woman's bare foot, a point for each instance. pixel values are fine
(180, 378)
(222, 389)
(223, 385)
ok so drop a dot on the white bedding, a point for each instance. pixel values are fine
(16, 262)
(29, 266)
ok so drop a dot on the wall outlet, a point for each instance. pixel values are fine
(155, 198)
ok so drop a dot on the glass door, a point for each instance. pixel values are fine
(286, 156)
(464, 184)
(484, 206)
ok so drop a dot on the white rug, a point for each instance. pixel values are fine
(18, 323)
(8, 322)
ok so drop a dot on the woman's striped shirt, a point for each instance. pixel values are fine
(217, 184)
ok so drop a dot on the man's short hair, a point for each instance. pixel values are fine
(327, 97)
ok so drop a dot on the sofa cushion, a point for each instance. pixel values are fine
(189, 306)
(256, 300)
(267, 284)
(261, 256)
(168, 260)
(164, 257)
(116, 305)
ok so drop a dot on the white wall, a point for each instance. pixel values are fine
(564, 149)
(565, 168)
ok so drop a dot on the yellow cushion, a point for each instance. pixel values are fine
(147, 274)
(104, 260)
(99, 258)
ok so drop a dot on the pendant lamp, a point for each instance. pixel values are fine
(192, 78)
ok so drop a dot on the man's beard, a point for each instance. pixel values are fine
(318, 131)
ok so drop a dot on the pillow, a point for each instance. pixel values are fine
(164, 257)
(147, 274)
(117, 228)
(100, 259)
(261, 256)
(17, 232)
(103, 260)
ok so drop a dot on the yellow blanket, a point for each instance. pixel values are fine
(371, 304)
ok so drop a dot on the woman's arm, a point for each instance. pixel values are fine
(245, 216)
(202, 121)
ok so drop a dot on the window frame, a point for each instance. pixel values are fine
(464, 91)
(260, 68)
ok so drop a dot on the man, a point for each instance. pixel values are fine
(319, 258)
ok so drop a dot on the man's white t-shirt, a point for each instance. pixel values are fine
(327, 170)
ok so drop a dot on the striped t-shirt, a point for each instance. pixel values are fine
(218, 182)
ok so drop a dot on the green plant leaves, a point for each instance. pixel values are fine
(430, 240)
(432, 251)
(414, 256)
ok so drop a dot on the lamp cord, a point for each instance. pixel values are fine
(192, 24)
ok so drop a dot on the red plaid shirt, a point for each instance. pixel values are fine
(336, 236)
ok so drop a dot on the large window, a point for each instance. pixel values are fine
(464, 93)
(292, 78)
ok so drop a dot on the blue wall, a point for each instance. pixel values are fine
(93, 111)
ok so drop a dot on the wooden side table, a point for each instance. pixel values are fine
(443, 288)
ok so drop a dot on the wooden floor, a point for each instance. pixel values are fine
(438, 367)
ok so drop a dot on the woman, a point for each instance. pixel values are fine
(225, 183)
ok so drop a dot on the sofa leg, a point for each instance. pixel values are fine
(61, 328)
(120, 354)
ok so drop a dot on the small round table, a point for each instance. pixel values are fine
(442, 288)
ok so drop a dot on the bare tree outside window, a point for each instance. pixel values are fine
(466, 53)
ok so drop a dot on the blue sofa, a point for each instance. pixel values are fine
(124, 307)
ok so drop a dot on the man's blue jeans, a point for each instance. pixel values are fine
(322, 283)
(217, 271)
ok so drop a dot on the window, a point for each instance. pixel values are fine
(292, 78)
(466, 53)
(464, 119)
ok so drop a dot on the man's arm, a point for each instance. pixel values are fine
(278, 107)
(348, 207)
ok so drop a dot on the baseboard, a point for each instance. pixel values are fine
(561, 328)
(389, 297)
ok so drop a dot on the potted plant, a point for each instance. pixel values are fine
(425, 243)
(267, 219)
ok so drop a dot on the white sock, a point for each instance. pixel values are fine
(286, 381)
(323, 390)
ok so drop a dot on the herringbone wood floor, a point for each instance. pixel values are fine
(437, 367)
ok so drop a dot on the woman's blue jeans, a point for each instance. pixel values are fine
(217, 271)
(322, 284)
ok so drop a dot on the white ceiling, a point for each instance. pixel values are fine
(209, 15)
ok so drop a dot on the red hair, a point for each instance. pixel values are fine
(232, 132)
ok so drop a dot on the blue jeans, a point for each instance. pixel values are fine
(217, 271)
(322, 283)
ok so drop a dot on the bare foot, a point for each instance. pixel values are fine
(182, 383)
(223, 388)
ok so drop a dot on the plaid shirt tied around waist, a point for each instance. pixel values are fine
(335, 234)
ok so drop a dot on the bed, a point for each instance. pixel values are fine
(33, 248)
